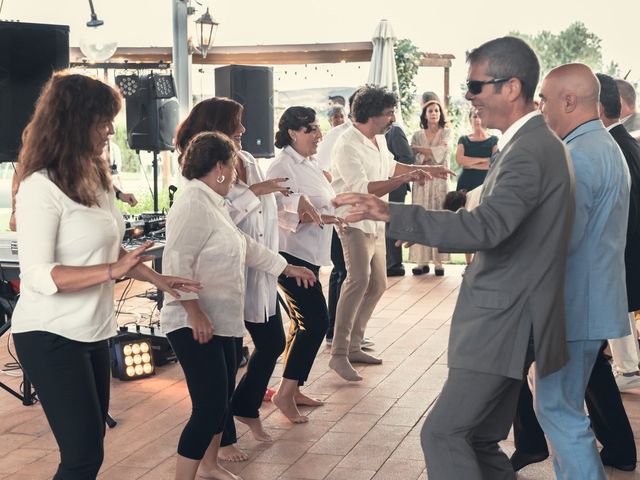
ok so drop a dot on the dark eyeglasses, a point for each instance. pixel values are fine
(475, 86)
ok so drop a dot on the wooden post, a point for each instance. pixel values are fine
(446, 87)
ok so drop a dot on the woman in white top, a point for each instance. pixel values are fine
(69, 233)
(253, 209)
(305, 237)
(203, 241)
(431, 145)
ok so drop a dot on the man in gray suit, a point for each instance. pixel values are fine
(511, 301)
(629, 115)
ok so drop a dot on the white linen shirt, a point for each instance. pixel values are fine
(356, 162)
(328, 142)
(257, 216)
(55, 230)
(305, 241)
(203, 243)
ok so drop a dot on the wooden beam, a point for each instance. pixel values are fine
(285, 54)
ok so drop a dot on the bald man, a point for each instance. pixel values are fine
(595, 293)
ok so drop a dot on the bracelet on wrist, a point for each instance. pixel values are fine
(118, 193)
(110, 272)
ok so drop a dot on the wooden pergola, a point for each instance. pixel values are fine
(287, 54)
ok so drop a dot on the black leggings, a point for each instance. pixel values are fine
(72, 381)
(208, 369)
(269, 342)
(309, 322)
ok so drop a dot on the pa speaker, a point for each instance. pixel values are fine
(253, 88)
(29, 55)
(151, 121)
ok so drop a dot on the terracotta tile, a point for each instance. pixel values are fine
(400, 470)
(312, 466)
(263, 471)
(20, 458)
(284, 451)
(336, 443)
(339, 473)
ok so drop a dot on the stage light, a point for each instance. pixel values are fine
(128, 85)
(131, 357)
(163, 86)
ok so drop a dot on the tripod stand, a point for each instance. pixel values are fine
(28, 397)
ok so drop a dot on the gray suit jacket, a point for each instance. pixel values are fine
(520, 231)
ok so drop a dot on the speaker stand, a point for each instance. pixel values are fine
(154, 164)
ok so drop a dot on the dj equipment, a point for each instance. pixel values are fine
(150, 224)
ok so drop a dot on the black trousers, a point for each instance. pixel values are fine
(609, 419)
(394, 254)
(269, 342)
(209, 370)
(337, 276)
(72, 381)
(309, 321)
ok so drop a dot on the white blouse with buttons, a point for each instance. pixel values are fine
(257, 216)
(203, 243)
(305, 241)
(55, 230)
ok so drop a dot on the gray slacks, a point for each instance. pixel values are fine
(461, 433)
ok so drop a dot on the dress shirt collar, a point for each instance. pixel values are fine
(513, 129)
(586, 127)
(200, 185)
(295, 155)
(614, 125)
(246, 157)
(363, 139)
(624, 119)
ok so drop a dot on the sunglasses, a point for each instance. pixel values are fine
(475, 86)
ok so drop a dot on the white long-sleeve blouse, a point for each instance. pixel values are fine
(257, 216)
(55, 230)
(306, 241)
(203, 243)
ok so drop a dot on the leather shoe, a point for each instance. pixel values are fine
(420, 270)
(519, 460)
(395, 271)
(439, 272)
(608, 462)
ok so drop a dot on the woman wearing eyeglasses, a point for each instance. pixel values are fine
(305, 219)
(431, 145)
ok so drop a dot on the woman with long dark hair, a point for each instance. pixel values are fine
(69, 232)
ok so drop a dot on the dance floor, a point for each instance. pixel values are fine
(365, 430)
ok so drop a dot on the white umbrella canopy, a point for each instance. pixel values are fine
(382, 71)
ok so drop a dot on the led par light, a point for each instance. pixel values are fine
(131, 358)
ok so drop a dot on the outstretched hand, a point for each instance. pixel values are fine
(271, 186)
(304, 277)
(364, 206)
(439, 171)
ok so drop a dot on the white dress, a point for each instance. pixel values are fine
(432, 193)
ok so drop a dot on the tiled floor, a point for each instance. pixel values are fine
(366, 430)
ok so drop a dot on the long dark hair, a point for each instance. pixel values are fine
(59, 136)
(217, 114)
(442, 121)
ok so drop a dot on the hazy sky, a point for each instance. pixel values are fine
(450, 26)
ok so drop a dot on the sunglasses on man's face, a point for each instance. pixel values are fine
(475, 86)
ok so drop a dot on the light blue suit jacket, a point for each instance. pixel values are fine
(595, 290)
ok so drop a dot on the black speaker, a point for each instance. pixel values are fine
(151, 121)
(29, 54)
(253, 88)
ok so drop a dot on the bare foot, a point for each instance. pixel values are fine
(302, 399)
(231, 453)
(288, 407)
(218, 473)
(255, 425)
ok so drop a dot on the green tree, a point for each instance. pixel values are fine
(573, 44)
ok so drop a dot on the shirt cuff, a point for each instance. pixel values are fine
(171, 300)
(39, 279)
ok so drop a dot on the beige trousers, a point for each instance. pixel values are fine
(366, 281)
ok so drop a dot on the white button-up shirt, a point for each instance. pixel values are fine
(257, 216)
(356, 162)
(305, 241)
(55, 230)
(328, 142)
(203, 243)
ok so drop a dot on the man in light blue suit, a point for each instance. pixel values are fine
(595, 292)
